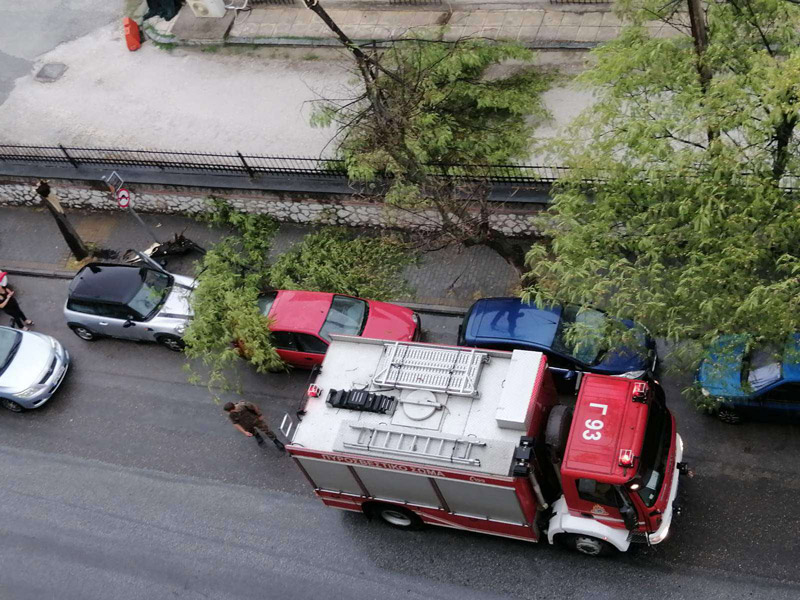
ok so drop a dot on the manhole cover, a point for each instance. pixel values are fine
(51, 72)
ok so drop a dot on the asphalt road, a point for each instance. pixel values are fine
(131, 484)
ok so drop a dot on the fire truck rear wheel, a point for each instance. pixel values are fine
(586, 544)
(396, 516)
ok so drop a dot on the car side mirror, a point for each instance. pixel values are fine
(128, 323)
(629, 517)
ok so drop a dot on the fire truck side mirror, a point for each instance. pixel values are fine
(629, 516)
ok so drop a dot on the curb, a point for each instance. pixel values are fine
(326, 42)
(44, 273)
(153, 35)
(432, 309)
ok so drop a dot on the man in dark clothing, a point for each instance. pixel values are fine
(247, 418)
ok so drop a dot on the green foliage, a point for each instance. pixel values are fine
(229, 280)
(690, 232)
(228, 324)
(467, 102)
(334, 260)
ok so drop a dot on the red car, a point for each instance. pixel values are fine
(303, 321)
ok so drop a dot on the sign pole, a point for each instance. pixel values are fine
(143, 224)
(115, 183)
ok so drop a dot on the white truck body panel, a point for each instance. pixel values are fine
(491, 417)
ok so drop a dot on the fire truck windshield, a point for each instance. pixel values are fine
(655, 452)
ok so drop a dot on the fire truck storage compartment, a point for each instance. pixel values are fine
(331, 476)
(399, 487)
(471, 499)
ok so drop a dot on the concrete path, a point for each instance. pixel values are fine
(542, 26)
(257, 100)
(33, 27)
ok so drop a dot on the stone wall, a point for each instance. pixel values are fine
(512, 219)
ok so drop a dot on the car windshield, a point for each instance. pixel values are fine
(579, 334)
(265, 302)
(151, 294)
(761, 367)
(9, 342)
(655, 451)
(347, 316)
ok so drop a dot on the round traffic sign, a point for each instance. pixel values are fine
(123, 198)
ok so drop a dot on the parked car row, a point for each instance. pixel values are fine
(147, 303)
(750, 381)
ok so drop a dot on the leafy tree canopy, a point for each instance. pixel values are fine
(438, 103)
(334, 260)
(231, 276)
(228, 324)
(675, 212)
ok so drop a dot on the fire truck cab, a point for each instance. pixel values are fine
(620, 466)
(476, 439)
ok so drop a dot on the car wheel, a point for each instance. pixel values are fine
(586, 544)
(11, 405)
(172, 342)
(396, 516)
(556, 432)
(729, 415)
(85, 334)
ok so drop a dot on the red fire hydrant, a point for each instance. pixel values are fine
(132, 35)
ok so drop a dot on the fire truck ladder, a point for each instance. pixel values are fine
(383, 440)
(412, 366)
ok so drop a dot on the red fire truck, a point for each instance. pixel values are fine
(476, 439)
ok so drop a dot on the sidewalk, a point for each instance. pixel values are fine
(30, 242)
(546, 26)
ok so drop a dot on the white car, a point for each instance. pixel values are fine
(32, 366)
(129, 302)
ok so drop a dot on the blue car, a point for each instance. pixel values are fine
(510, 324)
(750, 382)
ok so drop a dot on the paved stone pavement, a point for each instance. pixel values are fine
(30, 240)
(541, 27)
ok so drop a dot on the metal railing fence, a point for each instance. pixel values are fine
(252, 164)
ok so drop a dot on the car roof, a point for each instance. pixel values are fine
(489, 320)
(107, 282)
(295, 310)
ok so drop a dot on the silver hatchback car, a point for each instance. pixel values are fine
(32, 366)
(140, 303)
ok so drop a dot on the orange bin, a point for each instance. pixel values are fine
(132, 36)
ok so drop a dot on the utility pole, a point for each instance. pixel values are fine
(71, 236)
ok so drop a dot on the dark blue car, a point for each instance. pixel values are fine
(509, 324)
(751, 382)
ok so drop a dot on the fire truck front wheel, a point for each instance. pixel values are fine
(586, 544)
(396, 516)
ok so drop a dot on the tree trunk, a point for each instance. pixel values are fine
(700, 37)
(783, 136)
(71, 236)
